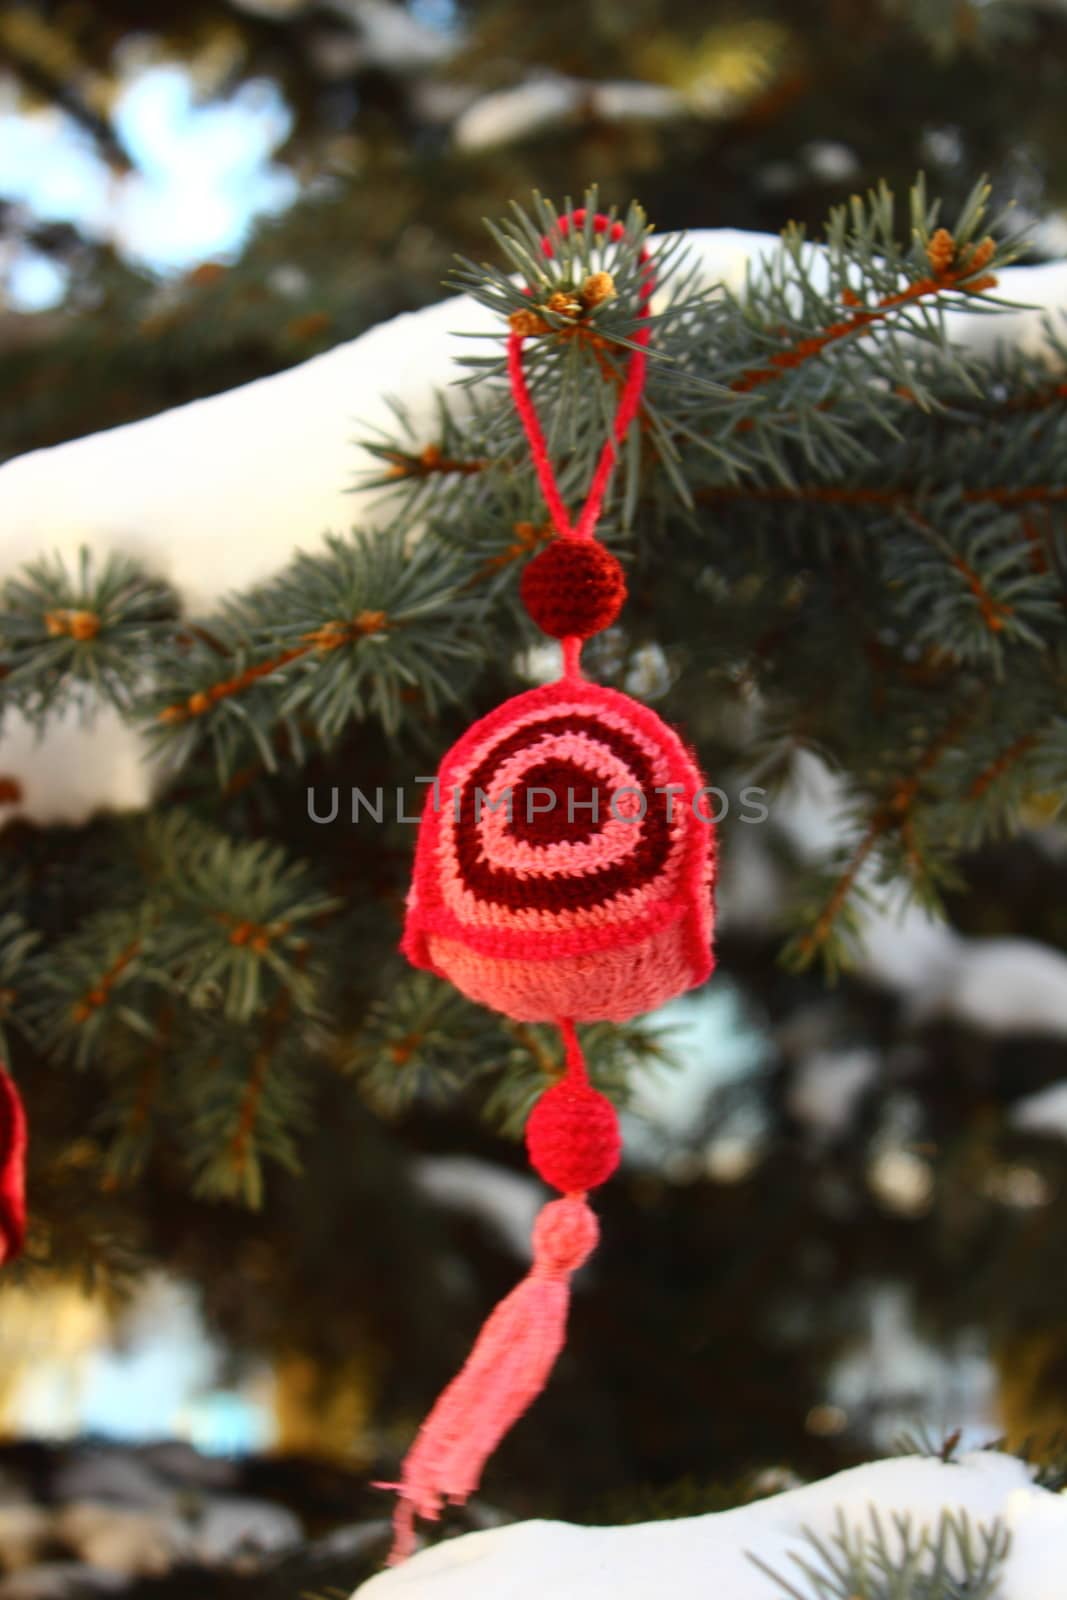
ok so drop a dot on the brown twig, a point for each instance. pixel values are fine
(431, 461)
(330, 636)
(895, 814)
(996, 769)
(97, 996)
(948, 271)
(274, 1022)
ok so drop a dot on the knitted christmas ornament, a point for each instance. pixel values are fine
(12, 1168)
(563, 873)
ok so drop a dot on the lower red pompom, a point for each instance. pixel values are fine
(573, 1138)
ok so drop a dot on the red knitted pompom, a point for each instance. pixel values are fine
(573, 588)
(572, 1137)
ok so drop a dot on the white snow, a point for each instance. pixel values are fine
(217, 494)
(699, 1557)
(995, 985)
(516, 112)
(73, 768)
(506, 1201)
(827, 1086)
(1004, 985)
(549, 98)
(1044, 1112)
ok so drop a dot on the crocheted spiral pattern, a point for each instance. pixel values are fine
(565, 864)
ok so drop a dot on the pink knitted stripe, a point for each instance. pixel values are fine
(440, 893)
(583, 923)
(608, 985)
(526, 710)
(614, 840)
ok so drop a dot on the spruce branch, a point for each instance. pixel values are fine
(880, 284)
(422, 1044)
(365, 628)
(875, 480)
(18, 945)
(922, 1441)
(833, 923)
(979, 572)
(237, 927)
(246, 1100)
(426, 1044)
(581, 339)
(1046, 1457)
(94, 981)
(139, 1096)
(92, 631)
(957, 1560)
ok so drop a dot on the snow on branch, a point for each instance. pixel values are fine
(972, 1526)
(214, 497)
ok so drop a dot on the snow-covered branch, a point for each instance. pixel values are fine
(217, 495)
(692, 1558)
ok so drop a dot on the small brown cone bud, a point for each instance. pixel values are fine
(598, 287)
(527, 324)
(979, 255)
(941, 252)
(564, 305)
(368, 622)
(80, 625)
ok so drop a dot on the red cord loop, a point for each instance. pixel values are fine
(626, 411)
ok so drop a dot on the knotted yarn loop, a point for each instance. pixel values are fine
(564, 1237)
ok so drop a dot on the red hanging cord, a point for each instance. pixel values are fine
(626, 411)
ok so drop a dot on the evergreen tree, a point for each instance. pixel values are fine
(844, 538)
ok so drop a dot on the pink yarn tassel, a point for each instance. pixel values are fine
(505, 1371)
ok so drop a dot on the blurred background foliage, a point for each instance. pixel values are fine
(368, 139)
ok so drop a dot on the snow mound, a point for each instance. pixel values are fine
(697, 1557)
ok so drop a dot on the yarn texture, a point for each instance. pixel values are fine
(605, 911)
(572, 1137)
(573, 588)
(510, 1361)
(563, 873)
